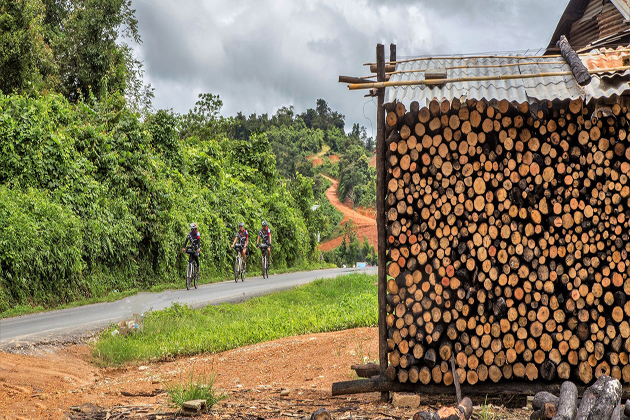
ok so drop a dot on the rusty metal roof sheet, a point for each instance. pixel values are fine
(623, 6)
(586, 21)
(515, 90)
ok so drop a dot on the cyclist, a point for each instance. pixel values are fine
(195, 243)
(264, 236)
(242, 237)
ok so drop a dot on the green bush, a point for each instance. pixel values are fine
(40, 249)
(129, 189)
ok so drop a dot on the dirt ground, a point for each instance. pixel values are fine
(52, 382)
(366, 226)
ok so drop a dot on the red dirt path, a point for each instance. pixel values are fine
(366, 226)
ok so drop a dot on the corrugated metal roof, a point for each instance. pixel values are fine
(593, 8)
(623, 6)
(585, 21)
(515, 90)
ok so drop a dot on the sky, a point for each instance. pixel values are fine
(261, 55)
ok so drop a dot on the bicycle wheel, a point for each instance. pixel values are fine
(264, 266)
(196, 276)
(189, 275)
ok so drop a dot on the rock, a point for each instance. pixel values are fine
(194, 406)
(284, 392)
(321, 414)
(405, 400)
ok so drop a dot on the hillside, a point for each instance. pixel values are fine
(366, 226)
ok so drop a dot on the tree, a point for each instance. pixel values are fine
(322, 117)
(204, 120)
(25, 60)
(284, 116)
(84, 35)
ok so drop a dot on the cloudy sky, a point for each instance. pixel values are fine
(260, 55)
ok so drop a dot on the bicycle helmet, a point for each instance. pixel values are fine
(193, 225)
(264, 223)
(241, 224)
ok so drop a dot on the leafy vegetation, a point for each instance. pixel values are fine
(351, 249)
(324, 305)
(118, 193)
(97, 189)
(294, 138)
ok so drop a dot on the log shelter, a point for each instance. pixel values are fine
(503, 213)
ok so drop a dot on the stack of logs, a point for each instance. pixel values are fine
(507, 236)
(600, 401)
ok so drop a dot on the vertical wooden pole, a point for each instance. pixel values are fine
(380, 215)
(392, 53)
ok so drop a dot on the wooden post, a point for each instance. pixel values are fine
(380, 217)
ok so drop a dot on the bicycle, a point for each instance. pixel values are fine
(264, 264)
(239, 269)
(192, 270)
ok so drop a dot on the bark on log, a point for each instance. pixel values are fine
(462, 411)
(542, 398)
(567, 404)
(600, 399)
(546, 412)
(580, 72)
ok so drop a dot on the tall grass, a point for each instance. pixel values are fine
(196, 387)
(325, 305)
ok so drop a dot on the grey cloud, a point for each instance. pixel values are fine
(261, 55)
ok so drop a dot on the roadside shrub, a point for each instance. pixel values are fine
(40, 249)
(113, 196)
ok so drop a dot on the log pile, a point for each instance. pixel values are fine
(507, 236)
(601, 401)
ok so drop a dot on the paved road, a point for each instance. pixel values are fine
(66, 324)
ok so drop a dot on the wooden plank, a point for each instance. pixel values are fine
(366, 371)
(382, 384)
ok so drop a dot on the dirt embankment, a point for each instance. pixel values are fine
(47, 382)
(288, 378)
(366, 226)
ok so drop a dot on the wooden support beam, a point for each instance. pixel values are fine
(380, 215)
(366, 371)
(381, 384)
(352, 79)
(478, 79)
(389, 68)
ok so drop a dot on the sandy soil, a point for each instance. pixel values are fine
(373, 161)
(366, 226)
(48, 382)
